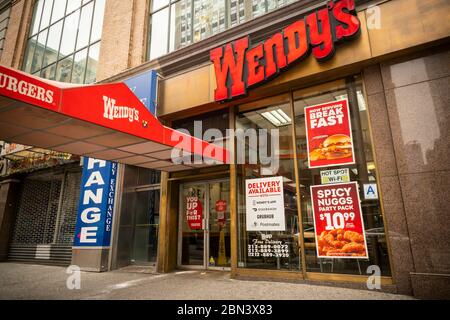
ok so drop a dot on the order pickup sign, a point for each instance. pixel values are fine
(338, 221)
(335, 176)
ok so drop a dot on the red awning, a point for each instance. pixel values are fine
(105, 121)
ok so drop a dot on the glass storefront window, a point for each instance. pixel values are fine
(64, 40)
(204, 225)
(254, 249)
(287, 114)
(159, 33)
(363, 172)
(189, 21)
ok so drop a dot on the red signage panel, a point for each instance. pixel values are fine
(338, 221)
(318, 32)
(29, 89)
(329, 134)
(194, 213)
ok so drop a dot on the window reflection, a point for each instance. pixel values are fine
(79, 66)
(266, 118)
(72, 5)
(364, 171)
(275, 113)
(159, 33)
(92, 63)
(64, 70)
(69, 33)
(37, 16)
(97, 23)
(54, 38)
(46, 14)
(59, 7)
(39, 51)
(64, 38)
(85, 26)
(194, 20)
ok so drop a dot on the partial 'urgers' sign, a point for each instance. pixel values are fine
(23, 87)
(239, 67)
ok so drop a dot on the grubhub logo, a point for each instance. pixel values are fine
(111, 111)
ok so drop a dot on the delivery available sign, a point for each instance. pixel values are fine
(329, 134)
(265, 204)
(338, 221)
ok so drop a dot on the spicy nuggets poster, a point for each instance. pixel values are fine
(329, 134)
(338, 221)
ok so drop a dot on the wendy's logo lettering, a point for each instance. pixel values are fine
(238, 66)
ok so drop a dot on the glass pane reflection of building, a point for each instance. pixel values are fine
(64, 40)
(194, 20)
(274, 116)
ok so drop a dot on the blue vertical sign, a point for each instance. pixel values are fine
(145, 86)
(96, 204)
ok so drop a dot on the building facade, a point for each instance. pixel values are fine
(392, 72)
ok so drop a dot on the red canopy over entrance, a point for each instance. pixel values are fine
(105, 121)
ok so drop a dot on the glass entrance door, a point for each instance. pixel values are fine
(218, 232)
(192, 218)
(204, 237)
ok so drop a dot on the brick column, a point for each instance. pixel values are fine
(16, 34)
(124, 37)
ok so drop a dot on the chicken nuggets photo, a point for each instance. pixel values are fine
(341, 243)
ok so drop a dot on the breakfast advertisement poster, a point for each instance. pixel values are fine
(329, 134)
(338, 221)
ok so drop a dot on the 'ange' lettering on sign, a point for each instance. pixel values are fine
(238, 67)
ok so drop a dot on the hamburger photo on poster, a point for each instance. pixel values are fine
(329, 134)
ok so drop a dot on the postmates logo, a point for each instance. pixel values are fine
(112, 112)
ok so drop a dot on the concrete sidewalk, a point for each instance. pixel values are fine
(24, 281)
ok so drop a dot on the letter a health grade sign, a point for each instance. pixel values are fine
(96, 204)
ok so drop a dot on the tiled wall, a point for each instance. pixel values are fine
(410, 114)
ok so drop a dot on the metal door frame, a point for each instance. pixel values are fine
(206, 248)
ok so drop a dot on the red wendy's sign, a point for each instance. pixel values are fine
(239, 67)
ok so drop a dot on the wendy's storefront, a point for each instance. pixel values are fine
(358, 106)
(332, 129)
